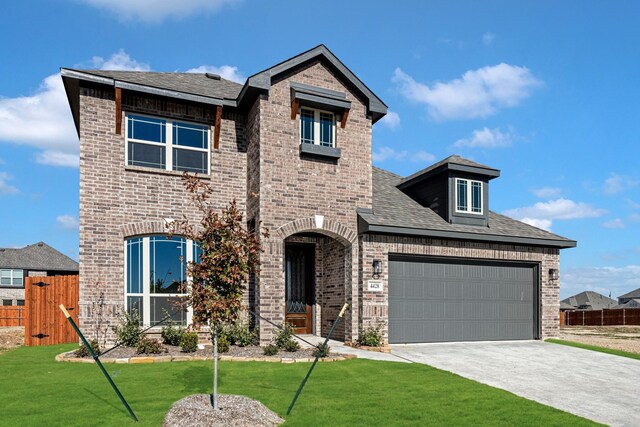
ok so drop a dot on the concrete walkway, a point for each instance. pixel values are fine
(339, 347)
(597, 386)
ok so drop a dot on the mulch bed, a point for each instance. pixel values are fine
(169, 350)
(236, 411)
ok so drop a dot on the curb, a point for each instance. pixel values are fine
(182, 358)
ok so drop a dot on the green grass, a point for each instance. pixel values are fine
(36, 390)
(596, 348)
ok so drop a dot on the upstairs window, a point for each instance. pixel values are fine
(468, 196)
(317, 127)
(12, 278)
(167, 144)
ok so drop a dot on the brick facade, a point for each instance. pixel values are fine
(297, 198)
(375, 305)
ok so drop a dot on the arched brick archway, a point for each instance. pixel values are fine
(335, 269)
(143, 228)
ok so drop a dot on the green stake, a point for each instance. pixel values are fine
(320, 349)
(97, 360)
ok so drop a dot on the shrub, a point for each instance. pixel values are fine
(148, 345)
(240, 334)
(284, 335)
(271, 350)
(371, 336)
(128, 331)
(171, 335)
(83, 352)
(292, 345)
(223, 343)
(321, 351)
(189, 342)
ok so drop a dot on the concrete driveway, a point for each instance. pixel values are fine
(598, 386)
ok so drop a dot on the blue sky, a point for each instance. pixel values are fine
(545, 91)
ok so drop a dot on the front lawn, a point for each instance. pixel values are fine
(36, 391)
(595, 348)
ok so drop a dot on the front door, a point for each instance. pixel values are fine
(299, 279)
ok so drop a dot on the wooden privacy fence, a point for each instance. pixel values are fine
(13, 316)
(45, 323)
(607, 317)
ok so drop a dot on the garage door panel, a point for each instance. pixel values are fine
(446, 301)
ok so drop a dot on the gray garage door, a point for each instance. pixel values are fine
(435, 301)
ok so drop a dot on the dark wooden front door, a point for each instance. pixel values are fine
(299, 279)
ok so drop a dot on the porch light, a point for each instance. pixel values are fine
(553, 274)
(377, 268)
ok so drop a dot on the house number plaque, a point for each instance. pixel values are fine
(374, 286)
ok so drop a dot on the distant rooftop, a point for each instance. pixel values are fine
(38, 256)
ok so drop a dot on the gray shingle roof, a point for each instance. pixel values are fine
(591, 300)
(38, 256)
(455, 159)
(192, 83)
(632, 303)
(393, 208)
(633, 294)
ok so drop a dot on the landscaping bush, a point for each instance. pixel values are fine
(292, 345)
(321, 351)
(270, 350)
(128, 331)
(241, 334)
(171, 335)
(223, 343)
(189, 342)
(284, 336)
(148, 345)
(83, 352)
(371, 336)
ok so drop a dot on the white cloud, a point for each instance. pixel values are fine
(386, 153)
(544, 213)
(617, 280)
(547, 192)
(614, 223)
(488, 38)
(56, 158)
(157, 10)
(478, 93)
(616, 184)
(545, 224)
(43, 120)
(68, 222)
(5, 187)
(119, 61)
(634, 217)
(391, 120)
(225, 71)
(487, 138)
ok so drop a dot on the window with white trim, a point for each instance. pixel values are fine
(317, 127)
(12, 277)
(155, 276)
(468, 196)
(167, 144)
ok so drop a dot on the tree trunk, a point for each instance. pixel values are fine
(214, 399)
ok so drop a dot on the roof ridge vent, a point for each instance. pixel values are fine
(212, 76)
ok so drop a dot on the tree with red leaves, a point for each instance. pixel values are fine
(218, 278)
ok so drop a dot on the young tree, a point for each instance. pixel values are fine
(228, 253)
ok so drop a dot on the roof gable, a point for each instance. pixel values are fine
(263, 79)
(38, 256)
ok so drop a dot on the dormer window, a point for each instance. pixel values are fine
(468, 196)
(317, 127)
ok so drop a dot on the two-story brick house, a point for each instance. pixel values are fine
(293, 146)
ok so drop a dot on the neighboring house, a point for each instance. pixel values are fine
(589, 300)
(293, 146)
(38, 259)
(627, 300)
(566, 307)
